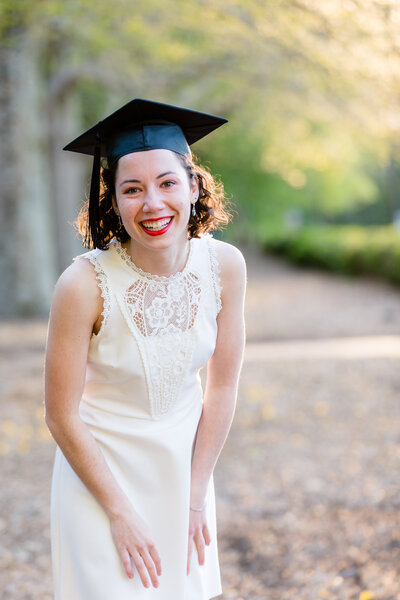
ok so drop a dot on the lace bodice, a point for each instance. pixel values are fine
(159, 308)
(161, 312)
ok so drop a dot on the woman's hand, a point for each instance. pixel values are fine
(133, 541)
(198, 533)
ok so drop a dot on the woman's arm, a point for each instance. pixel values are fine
(75, 309)
(223, 372)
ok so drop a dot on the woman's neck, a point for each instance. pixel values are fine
(159, 261)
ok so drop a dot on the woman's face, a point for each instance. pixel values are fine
(153, 196)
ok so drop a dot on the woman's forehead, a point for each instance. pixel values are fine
(149, 160)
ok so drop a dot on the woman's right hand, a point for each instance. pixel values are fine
(133, 541)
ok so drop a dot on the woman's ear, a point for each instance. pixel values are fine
(194, 186)
(114, 205)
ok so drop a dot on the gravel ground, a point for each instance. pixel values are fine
(307, 487)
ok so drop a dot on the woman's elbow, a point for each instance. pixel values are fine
(60, 425)
(52, 423)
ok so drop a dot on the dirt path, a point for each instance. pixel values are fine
(307, 484)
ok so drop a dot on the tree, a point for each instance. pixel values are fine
(310, 89)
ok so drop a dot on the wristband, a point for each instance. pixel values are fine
(198, 509)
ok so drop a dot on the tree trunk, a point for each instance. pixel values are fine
(8, 189)
(68, 174)
(27, 268)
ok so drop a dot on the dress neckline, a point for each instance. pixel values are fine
(125, 256)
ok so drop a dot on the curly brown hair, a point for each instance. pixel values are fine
(212, 207)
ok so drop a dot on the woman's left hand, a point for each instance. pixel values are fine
(199, 534)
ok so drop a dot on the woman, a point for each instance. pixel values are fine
(131, 324)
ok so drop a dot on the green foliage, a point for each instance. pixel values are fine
(265, 198)
(310, 88)
(346, 249)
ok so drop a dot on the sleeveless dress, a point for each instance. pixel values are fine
(142, 401)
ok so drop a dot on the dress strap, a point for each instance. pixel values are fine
(214, 270)
(94, 256)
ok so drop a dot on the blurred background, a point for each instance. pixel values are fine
(311, 90)
(307, 483)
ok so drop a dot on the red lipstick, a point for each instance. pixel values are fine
(160, 231)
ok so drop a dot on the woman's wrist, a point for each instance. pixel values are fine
(198, 501)
(198, 495)
(119, 509)
(197, 509)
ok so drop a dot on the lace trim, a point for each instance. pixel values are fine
(161, 317)
(123, 253)
(215, 272)
(159, 308)
(103, 286)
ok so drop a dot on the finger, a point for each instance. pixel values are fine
(156, 558)
(139, 562)
(190, 546)
(126, 561)
(198, 538)
(206, 534)
(148, 561)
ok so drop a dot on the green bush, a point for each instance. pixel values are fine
(346, 249)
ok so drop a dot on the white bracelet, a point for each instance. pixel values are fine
(198, 509)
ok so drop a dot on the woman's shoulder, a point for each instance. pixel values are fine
(231, 268)
(91, 255)
(76, 303)
(230, 257)
(77, 284)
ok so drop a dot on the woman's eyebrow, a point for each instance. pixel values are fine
(138, 180)
(166, 173)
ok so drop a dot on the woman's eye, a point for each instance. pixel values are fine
(168, 183)
(131, 190)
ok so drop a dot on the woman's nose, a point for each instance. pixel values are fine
(152, 200)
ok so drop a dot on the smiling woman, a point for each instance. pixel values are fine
(132, 322)
(211, 213)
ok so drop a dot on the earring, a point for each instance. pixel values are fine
(193, 209)
(120, 221)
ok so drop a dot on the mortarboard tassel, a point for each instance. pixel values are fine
(94, 197)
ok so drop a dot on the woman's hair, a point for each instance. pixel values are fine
(212, 211)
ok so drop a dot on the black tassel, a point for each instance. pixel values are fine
(94, 199)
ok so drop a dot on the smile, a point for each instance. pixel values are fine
(156, 226)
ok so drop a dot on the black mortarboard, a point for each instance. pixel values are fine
(139, 125)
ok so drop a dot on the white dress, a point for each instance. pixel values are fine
(142, 402)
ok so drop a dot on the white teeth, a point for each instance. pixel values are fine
(155, 227)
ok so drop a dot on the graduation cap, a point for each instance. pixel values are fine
(137, 126)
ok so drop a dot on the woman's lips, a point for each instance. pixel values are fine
(157, 231)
